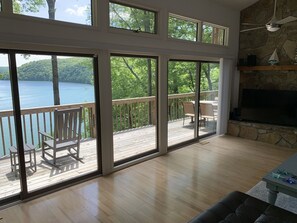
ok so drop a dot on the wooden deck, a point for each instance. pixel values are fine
(126, 144)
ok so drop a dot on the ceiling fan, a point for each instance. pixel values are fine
(273, 25)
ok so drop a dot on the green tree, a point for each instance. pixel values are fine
(181, 77)
(125, 17)
(182, 29)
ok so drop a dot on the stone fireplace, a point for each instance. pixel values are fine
(262, 44)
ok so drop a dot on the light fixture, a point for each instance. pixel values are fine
(272, 27)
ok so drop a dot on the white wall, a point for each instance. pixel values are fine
(23, 29)
(22, 32)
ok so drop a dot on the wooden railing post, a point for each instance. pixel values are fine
(93, 121)
(153, 112)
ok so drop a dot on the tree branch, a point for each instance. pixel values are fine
(115, 11)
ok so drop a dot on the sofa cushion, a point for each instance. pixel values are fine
(242, 208)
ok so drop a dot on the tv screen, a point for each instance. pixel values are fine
(269, 106)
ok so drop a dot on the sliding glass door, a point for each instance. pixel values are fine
(182, 76)
(10, 183)
(57, 100)
(134, 106)
(209, 85)
(54, 139)
(192, 100)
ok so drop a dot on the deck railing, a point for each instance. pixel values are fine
(41, 119)
(127, 114)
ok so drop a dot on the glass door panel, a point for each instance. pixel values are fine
(58, 117)
(209, 85)
(9, 176)
(181, 101)
(134, 106)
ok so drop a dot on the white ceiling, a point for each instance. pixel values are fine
(235, 4)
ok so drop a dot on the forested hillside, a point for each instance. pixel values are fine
(77, 70)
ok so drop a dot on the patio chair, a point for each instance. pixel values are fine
(188, 110)
(207, 111)
(67, 134)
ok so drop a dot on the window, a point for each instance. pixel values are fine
(131, 18)
(192, 100)
(182, 28)
(44, 82)
(214, 34)
(134, 106)
(74, 11)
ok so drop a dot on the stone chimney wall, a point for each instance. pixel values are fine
(262, 43)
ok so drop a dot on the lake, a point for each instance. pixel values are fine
(40, 93)
(37, 94)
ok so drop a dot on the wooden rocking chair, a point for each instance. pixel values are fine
(67, 134)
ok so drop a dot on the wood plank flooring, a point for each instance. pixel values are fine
(171, 188)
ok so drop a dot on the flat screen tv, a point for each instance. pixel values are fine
(269, 106)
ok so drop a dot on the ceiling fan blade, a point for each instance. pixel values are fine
(246, 30)
(251, 24)
(286, 20)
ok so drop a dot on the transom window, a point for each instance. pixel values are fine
(182, 28)
(74, 11)
(132, 18)
(214, 34)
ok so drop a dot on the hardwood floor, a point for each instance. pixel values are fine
(171, 188)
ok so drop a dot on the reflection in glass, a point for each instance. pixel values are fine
(74, 11)
(214, 35)
(9, 176)
(209, 85)
(181, 101)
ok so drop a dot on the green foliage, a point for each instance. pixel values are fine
(4, 73)
(130, 77)
(77, 70)
(125, 17)
(209, 76)
(213, 35)
(20, 6)
(207, 34)
(182, 29)
(181, 77)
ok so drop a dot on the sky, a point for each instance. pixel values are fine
(21, 59)
(66, 10)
